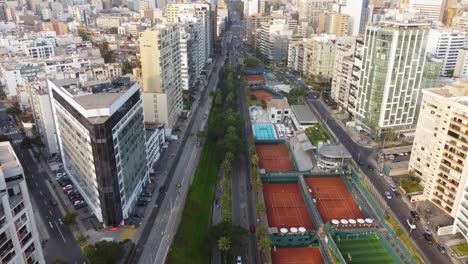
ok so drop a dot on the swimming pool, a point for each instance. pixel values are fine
(264, 131)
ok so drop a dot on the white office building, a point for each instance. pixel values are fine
(444, 44)
(429, 9)
(461, 67)
(19, 238)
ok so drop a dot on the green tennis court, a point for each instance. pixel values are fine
(363, 250)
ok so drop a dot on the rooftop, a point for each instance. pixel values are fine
(303, 113)
(257, 77)
(334, 151)
(95, 94)
(9, 162)
(278, 103)
(458, 89)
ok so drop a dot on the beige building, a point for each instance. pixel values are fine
(343, 70)
(161, 78)
(441, 146)
(318, 58)
(461, 66)
(311, 9)
(333, 23)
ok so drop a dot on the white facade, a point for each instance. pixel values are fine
(274, 40)
(40, 50)
(10, 78)
(429, 9)
(309, 10)
(343, 69)
(155, 139)
(20, 242)
(461, 67)
(444, 45)
(41, 107)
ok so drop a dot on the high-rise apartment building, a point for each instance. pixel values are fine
(41, 106)
(395, 69)
(357, 10)
(337, 24)
(461, 67)
(429, 9)
(274, 39)
(252, 29)
(101, 134)
(161, 74)
(20, 242)
(444, 44)
(202, 10)
(311, 9)
(343, 70)
(440, 150)
(192, 51)
(355, 75)
(318, 58)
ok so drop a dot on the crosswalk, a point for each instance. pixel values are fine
(17, 141)
(10, 132)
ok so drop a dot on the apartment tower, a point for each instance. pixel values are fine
(161, 74)
(101, 135)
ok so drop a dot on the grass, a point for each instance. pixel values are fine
(404, 238)
(364, 250)
(411, 185)
(189, 243)
(317, 133)
(460, 249)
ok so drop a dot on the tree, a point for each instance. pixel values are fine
(224, 245)
(58, 261)
(83, 34)
(251, 62)
(81, 240)
(113, 30)
(13, 110)
(264, 244)
(70, 219)
(227, 166)
(127, 67)
(103, 252)
(254, 160)
(259, 208)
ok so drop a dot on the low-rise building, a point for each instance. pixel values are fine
(279, 110)
(255, 80)
(302, 117)
(332, 157)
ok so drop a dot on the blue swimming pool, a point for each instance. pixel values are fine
(264, 131)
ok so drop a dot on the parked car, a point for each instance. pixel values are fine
(415, 215)
(388, 195)
(141, 203)
(252, 228)
(72, 194)
(239, 260)
(428, 238)
(78, 202)
(60, 175)
(393, 187)
(441, 249)
(381, 174)
(79, 206)
(146, 194)
(65, 182)
(67, 189)
(76, 198)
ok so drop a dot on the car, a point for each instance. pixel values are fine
(239, 260)
(52, 202)
(415, 215)
(141, 203)
(64, 182)
(67, 189)
(391, 157)
(59, 175)
(441, 249)
(162, 188)
(393, 187)
(146, 194)
(252, 228)
(381, 174)
(77, 198)
(79, 206)
(388, 195)
(428, 238)
(136, 215)
(78, 202)
(427, 230)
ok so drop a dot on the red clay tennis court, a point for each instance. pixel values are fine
(334, 200)
(307, 255)
(274, 157)
(285, 206)
(261, 95)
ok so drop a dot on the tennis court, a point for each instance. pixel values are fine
(264, 131)
(334, 200)
(285, 206)
(274, 157)
(261, 95)
(363, 250)
(308, 255)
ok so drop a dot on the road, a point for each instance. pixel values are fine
(243, 213)
(160, 229)
(61, 243)
(361, 156)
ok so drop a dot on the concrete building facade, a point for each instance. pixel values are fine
(444, 44)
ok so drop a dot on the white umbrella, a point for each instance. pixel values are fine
(302, 229)
(284, 230)
(293, 230)
(344, 221)
(352, 221)
(335, 222)
(369, 221)
(361, 221)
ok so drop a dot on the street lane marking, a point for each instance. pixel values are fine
(64, 240)
(44, 202)
(41, 193)
(51, 226)
(36, 183)
(50, 212)
(60, 220)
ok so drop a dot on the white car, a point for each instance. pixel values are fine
(239, 260)
(393, 187)
(388, 195)
(381, 174)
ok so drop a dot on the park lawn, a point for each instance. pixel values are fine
(461, 249)
(189, 245)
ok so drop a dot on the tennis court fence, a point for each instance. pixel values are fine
(311, 206)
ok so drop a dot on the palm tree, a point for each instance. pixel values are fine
(259, 208)
(224, 245)
(264, 244)
(254, 160)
